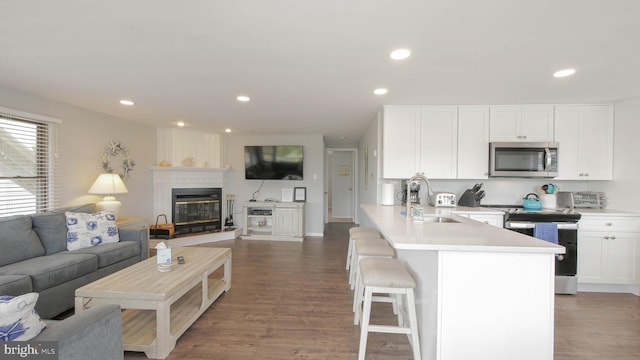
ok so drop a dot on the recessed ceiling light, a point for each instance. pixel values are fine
(243, 98)
(380, 91)
(563, 73)
(126, 102)
(227, 130)
(400, 54)
(180, 123)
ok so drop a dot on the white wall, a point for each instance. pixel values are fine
(82, 136)
(622, 192)
(313, 176)
(369, 150)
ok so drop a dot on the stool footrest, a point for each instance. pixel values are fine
(386, 299)
(389, 329)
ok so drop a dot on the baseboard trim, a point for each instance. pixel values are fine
(610, 288)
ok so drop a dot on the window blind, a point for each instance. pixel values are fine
(28, 164)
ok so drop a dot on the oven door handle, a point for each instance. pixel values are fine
(530, 225)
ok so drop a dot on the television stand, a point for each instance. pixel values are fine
(282, 221)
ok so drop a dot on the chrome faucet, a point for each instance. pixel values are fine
(417, 176)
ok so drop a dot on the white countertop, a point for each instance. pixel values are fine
(604, 212)
(467, 235)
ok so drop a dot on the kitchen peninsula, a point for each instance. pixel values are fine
(483, 292)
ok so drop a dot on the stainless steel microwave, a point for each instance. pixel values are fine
(523, 159)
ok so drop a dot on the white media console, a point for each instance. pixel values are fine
(273, 221)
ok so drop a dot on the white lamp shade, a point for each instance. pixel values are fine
(107, 184)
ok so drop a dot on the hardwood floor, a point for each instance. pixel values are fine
(292, 301)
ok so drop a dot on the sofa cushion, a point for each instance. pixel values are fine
(15, 284)
(52, 270)
(112, 253)
(86, 230)
(18, 319)
(18, 240)
(51, 227)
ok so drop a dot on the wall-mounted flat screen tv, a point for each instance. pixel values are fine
(273, 162)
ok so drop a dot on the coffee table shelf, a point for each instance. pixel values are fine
(159, 307)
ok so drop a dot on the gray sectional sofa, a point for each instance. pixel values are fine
(34, 258)
(94, 334)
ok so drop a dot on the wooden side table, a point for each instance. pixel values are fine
(131, 223)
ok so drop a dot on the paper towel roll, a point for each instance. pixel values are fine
(387, 194)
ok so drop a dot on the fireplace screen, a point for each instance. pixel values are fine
(196, 210)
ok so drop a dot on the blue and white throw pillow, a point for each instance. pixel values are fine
(85, 230)
(19, 321)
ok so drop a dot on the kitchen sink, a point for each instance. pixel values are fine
(439, 219)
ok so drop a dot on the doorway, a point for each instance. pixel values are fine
(341, 183)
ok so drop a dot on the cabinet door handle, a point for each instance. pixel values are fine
(613, 237)
(606, 237)
(608, 224)
(524, 136)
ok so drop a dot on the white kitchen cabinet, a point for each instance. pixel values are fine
(400, 141)
(491, 219)
(585, 135)
(473, 142)
(608, 249)
(521, 123)
(273, 221)
(419, 139)
(439, 141)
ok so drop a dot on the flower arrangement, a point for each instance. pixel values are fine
(116, 151)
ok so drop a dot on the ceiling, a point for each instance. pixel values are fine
(310, 66)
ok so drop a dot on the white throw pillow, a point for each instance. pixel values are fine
(19, 321)
(85, 230)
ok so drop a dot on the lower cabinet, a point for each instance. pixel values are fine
(608, 250)
(491, 219)
(273, 221)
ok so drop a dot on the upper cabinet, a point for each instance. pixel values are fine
(400, 141)
(473, 142)
(521, 123)
(585, 135)
(452, 142)
(439, 141)
(419, 139)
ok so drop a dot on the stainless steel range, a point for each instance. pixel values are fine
(524, 221)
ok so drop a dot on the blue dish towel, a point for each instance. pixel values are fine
(546, 231)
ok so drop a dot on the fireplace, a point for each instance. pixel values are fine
(195, 210)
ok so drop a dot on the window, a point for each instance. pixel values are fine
(27, 163)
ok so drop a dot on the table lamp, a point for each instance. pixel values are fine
(108, 184)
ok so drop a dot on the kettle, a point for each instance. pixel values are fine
(531, 202)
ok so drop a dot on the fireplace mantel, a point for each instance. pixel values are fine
(166, 178)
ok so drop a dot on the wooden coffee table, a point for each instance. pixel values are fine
(158, 307)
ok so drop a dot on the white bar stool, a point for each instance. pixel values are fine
(367, 247)
(387, 276)
(357, 232)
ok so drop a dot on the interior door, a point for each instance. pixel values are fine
(342, 185)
